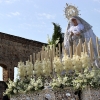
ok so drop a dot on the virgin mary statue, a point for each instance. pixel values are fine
(77, 29)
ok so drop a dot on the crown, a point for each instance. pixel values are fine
(71, 11)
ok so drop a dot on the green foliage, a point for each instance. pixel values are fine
(57, 35)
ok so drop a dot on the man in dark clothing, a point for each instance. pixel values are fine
(5, 97)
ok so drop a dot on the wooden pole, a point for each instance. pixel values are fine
(73, 49)
(85, 46)
(91, 49)
(30, 58)
(37, 56)
(51, 58)
(53, 50)
(70, 49)
(97, 44)
(77, 50)
(34, 57)
(63, 49)
(43, 48)
(41, 57)
(80, 42)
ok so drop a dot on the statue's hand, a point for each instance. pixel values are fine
(78, 34)
(71, 34)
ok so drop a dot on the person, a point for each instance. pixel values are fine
(77, 29)
(5, 97)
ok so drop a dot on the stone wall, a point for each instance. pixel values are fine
(60, 94)
(48, 94)
(14, 49)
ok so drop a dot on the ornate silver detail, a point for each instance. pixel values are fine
(71, 11)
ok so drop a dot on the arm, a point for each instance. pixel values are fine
(78, 34)
(80, 27)
(71, 33)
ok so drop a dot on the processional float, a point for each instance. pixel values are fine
(50, 76)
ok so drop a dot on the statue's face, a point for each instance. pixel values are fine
(74, 22)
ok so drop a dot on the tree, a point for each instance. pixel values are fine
(57, 34)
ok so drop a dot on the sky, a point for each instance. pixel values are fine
(32, 19)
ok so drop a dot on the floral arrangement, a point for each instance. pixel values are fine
(67, 63)
(76, 72)
(24, 86)
(77, 80)
(42, 68)
(62, 82)
(76, 63)
(57, 64)
(89, 77)
(25, 81)
(46, 65)
(38, 68)
(25, 69)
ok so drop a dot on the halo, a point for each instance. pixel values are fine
(71, 11)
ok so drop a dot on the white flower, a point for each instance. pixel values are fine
(29, 68)
(57, 64)
(29, 87)
(15, 91)
(65, 79)
(46, 65)
(77, 62)
(36, 88)
(21, 70)
(36, 84)
(56, 82)
(85, 60)
(38, 68)
(32, 81)
(67, 62)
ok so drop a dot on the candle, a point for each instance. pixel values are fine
(30, 58)
(91, 50)
(34, 57)
(70, 49)
(97, 46)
